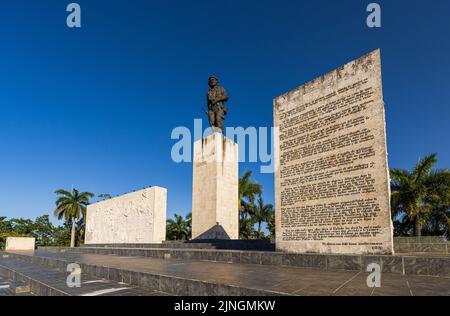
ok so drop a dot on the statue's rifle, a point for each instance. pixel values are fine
(207, 115)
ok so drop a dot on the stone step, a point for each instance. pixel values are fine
(19, 287)
(401, 244)
(261, 245)
(189, 277)
(4, 287)
(406, 264)
(29, 278)
(161, 283)
(153, 246)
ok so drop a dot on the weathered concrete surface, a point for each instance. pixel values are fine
(215, 188)
(20, 243)
(138, 217)
(332, 180)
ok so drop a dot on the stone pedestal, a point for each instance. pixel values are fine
(215, 213)
(134, 218)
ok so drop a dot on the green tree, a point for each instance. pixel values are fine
(5, 226)
(246, 227)
(178, 228)
(72, 206)
(7, 229)
(271, 225)
(61, 235)
(189, 225)
(248, 191)
(415, 195)
(43, 231)
(438, 223)
(23, 227)
(262, 213)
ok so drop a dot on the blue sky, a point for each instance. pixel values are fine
(94, 107)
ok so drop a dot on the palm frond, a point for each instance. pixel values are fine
(424, 167)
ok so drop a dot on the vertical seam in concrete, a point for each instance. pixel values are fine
(403, 265)
(154, 213)
(224, 150)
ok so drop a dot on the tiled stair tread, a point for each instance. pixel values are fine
(5, 288)
(57, 280)
(19, 287)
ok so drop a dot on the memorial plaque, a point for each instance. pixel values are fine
(332, 191)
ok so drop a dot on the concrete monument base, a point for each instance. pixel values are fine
(215, 213)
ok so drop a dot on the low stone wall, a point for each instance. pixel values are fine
(20, 243)
(426, 244)
(261, 245)
(418, 240)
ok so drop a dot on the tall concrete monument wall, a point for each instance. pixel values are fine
(138, 217)
(215, 213)
(332, 181)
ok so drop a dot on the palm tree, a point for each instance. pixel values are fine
(415, 194)
(438, 223)
(178, 228)
(262, 213)
(271, 225)
(72, 206)
(189, 225)
(246, 228)
(248, 190)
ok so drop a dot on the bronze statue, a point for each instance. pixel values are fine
(216, 98)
